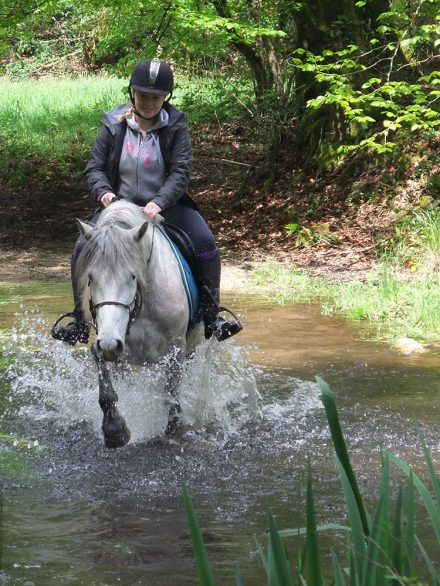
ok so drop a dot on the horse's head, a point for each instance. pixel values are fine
(111, 269)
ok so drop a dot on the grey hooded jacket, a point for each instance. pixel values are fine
(102, 169)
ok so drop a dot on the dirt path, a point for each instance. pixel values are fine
(36, 240)
(38, 229)
(37, 266)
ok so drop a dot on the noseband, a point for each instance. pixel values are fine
(134, 308)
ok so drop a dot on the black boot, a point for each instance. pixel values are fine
(218, 326)
(209, 286)
(75, 331)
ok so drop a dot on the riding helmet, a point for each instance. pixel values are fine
(152, 76)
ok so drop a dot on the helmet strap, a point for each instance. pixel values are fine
(134, 107)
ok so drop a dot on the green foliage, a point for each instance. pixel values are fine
(203, 566)
(382, 113)
(416, 240)
(381, 547)
(215, 98)
(309, 235)
(287, 284)
(343, 459)
(38, 38)
(344, 79)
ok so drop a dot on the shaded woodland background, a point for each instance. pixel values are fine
(323, 138)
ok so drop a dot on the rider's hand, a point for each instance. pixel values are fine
(151, 210)
(107, 198)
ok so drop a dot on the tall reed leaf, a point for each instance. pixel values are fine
(435, 577)
(341, 448)
(261, 555)
(410, 526)
(357, 533)
(429, 503)
(378, 548)
(432, 475)
(279, 568)
(339, 576)
(380, 539)
(203, 566)
(371, 575)
(314, 575)
(397, 550)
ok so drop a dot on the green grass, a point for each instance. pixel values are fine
(400, 298)
(393, 303)
(382, 546)
(287, 284)
(47, 126)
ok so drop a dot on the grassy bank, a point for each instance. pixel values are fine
(396, 304)
(47, 126)
(399, 298)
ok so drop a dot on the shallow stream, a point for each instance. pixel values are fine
(78, 513)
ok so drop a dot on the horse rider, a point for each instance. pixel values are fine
(143, 154)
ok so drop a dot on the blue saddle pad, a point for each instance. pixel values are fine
(188, 280)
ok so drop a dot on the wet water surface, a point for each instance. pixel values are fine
(78, 513)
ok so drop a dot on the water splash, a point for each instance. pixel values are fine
(53, 382)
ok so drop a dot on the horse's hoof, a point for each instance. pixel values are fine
(115, 430)
(173, 419)
(117, 440)
(172, 425)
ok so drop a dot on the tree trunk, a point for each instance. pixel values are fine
(261, 71)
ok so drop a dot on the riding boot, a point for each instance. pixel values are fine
(208, 266)
(77, 330)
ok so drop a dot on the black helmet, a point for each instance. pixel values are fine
(152, 76)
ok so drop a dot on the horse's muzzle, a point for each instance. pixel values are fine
(109, 349)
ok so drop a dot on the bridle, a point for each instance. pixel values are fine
(134, 308)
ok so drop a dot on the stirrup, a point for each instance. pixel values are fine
(75, 331)
(221, 328)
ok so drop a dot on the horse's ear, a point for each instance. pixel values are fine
(139, 233)
(85, 229)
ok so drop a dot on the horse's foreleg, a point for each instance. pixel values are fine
(114, 428)
(172, 384)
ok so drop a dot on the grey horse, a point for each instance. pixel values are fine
(132, 290)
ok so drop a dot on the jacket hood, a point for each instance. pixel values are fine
(114, 117)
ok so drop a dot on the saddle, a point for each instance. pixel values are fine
(183, 242)
(184, 252)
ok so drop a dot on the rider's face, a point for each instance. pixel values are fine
(148, 105)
